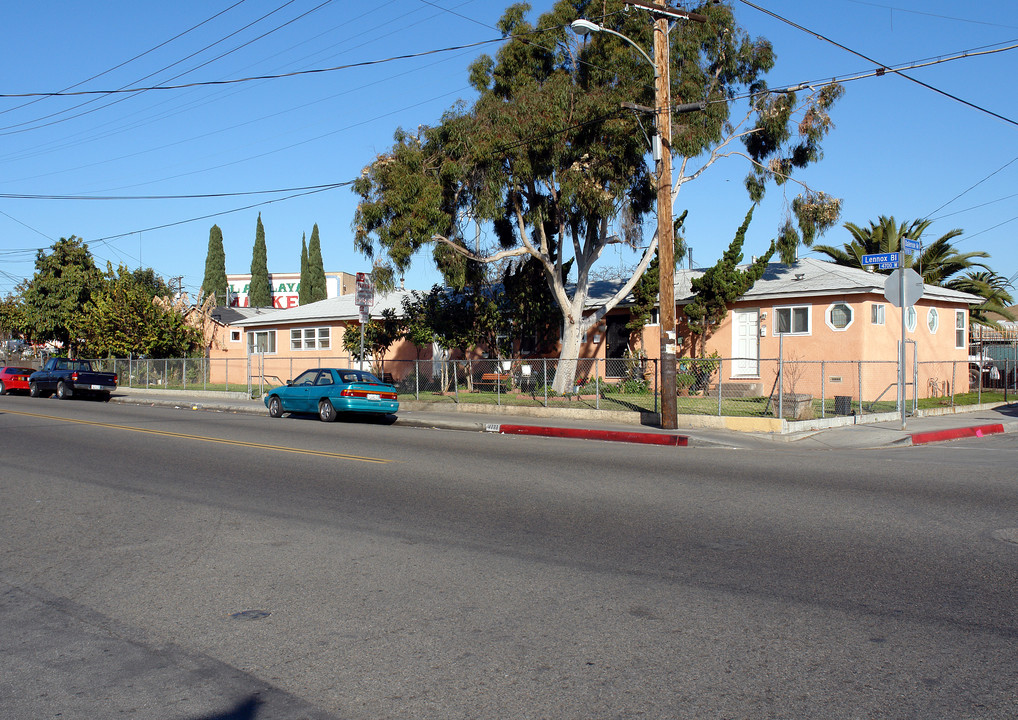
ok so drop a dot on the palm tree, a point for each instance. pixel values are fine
(991, 286)
(936, 262)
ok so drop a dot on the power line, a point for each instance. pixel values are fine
(136, 57)
(880, 65)
(296, 73)
(21, 196)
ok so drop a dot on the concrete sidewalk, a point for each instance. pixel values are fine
(848, 433)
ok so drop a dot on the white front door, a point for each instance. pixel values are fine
(746, 343)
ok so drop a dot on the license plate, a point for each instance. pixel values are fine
(374, 396)
(95, 387)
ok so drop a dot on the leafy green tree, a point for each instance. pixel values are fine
(62, 285)
(11, 322)
(721, 285)
(214, 282)
(121, 320)
(379, 336)
(316, 268)
(259, 294)
(152, 283)
(305, 279)
(418, 310)
(548, 158)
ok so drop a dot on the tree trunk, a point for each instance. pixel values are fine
(565, 373)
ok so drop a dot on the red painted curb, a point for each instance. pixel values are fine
(609, 435)
(955, 433)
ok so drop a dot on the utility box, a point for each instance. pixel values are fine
(842, 405)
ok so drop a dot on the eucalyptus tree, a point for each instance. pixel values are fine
(547, 158)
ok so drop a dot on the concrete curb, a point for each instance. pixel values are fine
(933, 436)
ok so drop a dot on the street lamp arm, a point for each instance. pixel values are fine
(583, 27)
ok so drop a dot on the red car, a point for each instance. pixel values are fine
(14, 378)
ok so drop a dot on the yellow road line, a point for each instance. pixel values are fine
(202, 438)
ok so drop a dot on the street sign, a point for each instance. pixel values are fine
(888, 266)
(365, 296)
(910, 245)
(912, 287)
(879, 258)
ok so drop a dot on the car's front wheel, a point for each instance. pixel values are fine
(33, 390)
(275, 407)
(326, 413)
(3, 388)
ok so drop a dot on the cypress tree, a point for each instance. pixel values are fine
(303, 289)
(215, 268)
(316, 268)
(260, 292)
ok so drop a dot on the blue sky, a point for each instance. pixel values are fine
(897, 149)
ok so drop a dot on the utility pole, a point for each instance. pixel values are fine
(665, 232)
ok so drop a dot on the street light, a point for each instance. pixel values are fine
(665, 236)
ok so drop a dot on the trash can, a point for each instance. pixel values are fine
(842, 405)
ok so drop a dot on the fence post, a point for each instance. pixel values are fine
(823, 389)
(417, 380)
(781, 376)
(545, 382)
(721, 374)
(656, 370)
(860, 386)
(183, 372)
(455, 380)
(597, 383)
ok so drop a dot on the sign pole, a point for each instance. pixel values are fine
(901, 349)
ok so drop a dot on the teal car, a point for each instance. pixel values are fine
(330, 391)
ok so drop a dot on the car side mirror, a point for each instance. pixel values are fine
(289, 383)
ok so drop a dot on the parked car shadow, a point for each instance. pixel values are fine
(244, 710)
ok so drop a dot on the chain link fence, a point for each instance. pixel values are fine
(750, 387)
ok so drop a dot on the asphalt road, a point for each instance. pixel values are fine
(176, 564)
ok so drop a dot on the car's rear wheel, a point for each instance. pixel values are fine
(63, 392)
(33, 390)
(275, 407)
(326, 412)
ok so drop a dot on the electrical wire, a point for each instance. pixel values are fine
(123, 89)
(880, 65)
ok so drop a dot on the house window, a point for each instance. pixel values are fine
(653, 318)
(959, 328)
(911, 316)
(311, 338)
(261, 341)
(839, 316)
(877, 314)
(235, 336)
(933, 321)
(793, 320)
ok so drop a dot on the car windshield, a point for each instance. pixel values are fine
(352, 376)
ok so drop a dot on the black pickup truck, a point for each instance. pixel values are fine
(68, 378)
